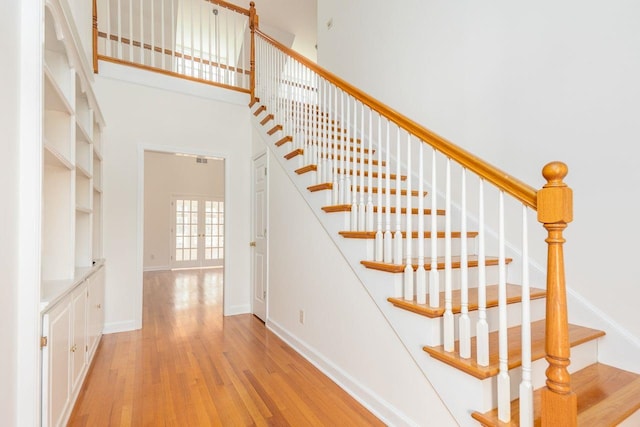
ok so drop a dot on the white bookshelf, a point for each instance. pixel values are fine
(73, 272)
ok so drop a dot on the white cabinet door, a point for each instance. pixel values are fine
(95, 311)
(56, 360)
(79, 336)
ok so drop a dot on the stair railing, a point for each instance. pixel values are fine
(371, 158)
(205, 41)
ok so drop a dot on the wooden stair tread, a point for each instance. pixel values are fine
(414, 234)
(259, 110)
(455, 263)
(577, 336)
(374, 174)
(606, 396)
(267, 118)
(284, 140)
(403, 211)
(274, 129)
(329, 186)
(514, 295)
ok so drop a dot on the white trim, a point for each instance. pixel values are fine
(124, 326)
(382, 409)
(27, 351)
(142, 147)
(135, 75)
(157, 268)
(237, 309)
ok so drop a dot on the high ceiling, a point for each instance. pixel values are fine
(297, 17)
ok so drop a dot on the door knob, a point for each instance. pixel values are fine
(252, 244)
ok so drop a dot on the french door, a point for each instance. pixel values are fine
(197, 234)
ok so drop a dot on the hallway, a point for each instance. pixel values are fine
(190, 366)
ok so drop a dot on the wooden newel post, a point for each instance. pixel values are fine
(555, 211)
(253, 25)
(95, 37)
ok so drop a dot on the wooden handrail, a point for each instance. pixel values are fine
(518, 189)
(170, 73)
(159, 49)
(230, 6)
(555, 211)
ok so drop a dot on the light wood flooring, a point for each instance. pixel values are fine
(190, 366)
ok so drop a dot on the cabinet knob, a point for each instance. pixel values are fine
(73, 349)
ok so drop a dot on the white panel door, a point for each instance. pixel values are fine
(197, 234)
(259, 243)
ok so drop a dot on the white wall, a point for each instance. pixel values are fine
(165, 176)
(9, 83)
(344, 332)
(142, 117)
(519, 86)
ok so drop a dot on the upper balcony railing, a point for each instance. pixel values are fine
(203, 40)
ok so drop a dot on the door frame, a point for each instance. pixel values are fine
(264, 153)
(136, 323)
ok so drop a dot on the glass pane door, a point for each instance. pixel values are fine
(198, 234)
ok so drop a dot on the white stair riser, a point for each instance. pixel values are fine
(514, 313)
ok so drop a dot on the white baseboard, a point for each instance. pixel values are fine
(115, 327)
(237, 309)
(366, 397)
(157, 268)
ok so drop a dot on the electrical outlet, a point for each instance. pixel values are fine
(301, 318)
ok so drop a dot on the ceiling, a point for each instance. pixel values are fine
(296, 17)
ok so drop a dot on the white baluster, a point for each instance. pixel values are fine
(504, 388)
(421, 273)
(379, 252)
(153, 36)
(162, 40)
(448, 309)
(464, 324)
(335, 161)
(173, 35)
(434, 278)
(218, 54)
(482, 328)
(131, 47)
(397, 237)
(345, 144)
(341, 195)
(388, 236)
(107, 47)
(526, 388)
(408, 269)
(362, 215)
(120, 31)
(210, 45)
(354, 171)
(142, 31)
(182, 45)
(369, 225)
(227, 74)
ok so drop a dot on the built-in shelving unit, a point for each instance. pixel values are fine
(73, 272)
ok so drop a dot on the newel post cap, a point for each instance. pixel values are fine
(555, 199)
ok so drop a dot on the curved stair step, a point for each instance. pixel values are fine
(374, 174)
(455, 263)
(577, 335)
(606, 397)
(514, 295)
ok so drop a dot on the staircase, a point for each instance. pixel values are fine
(335, 156)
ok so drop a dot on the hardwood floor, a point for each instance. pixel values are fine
(190, 366)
